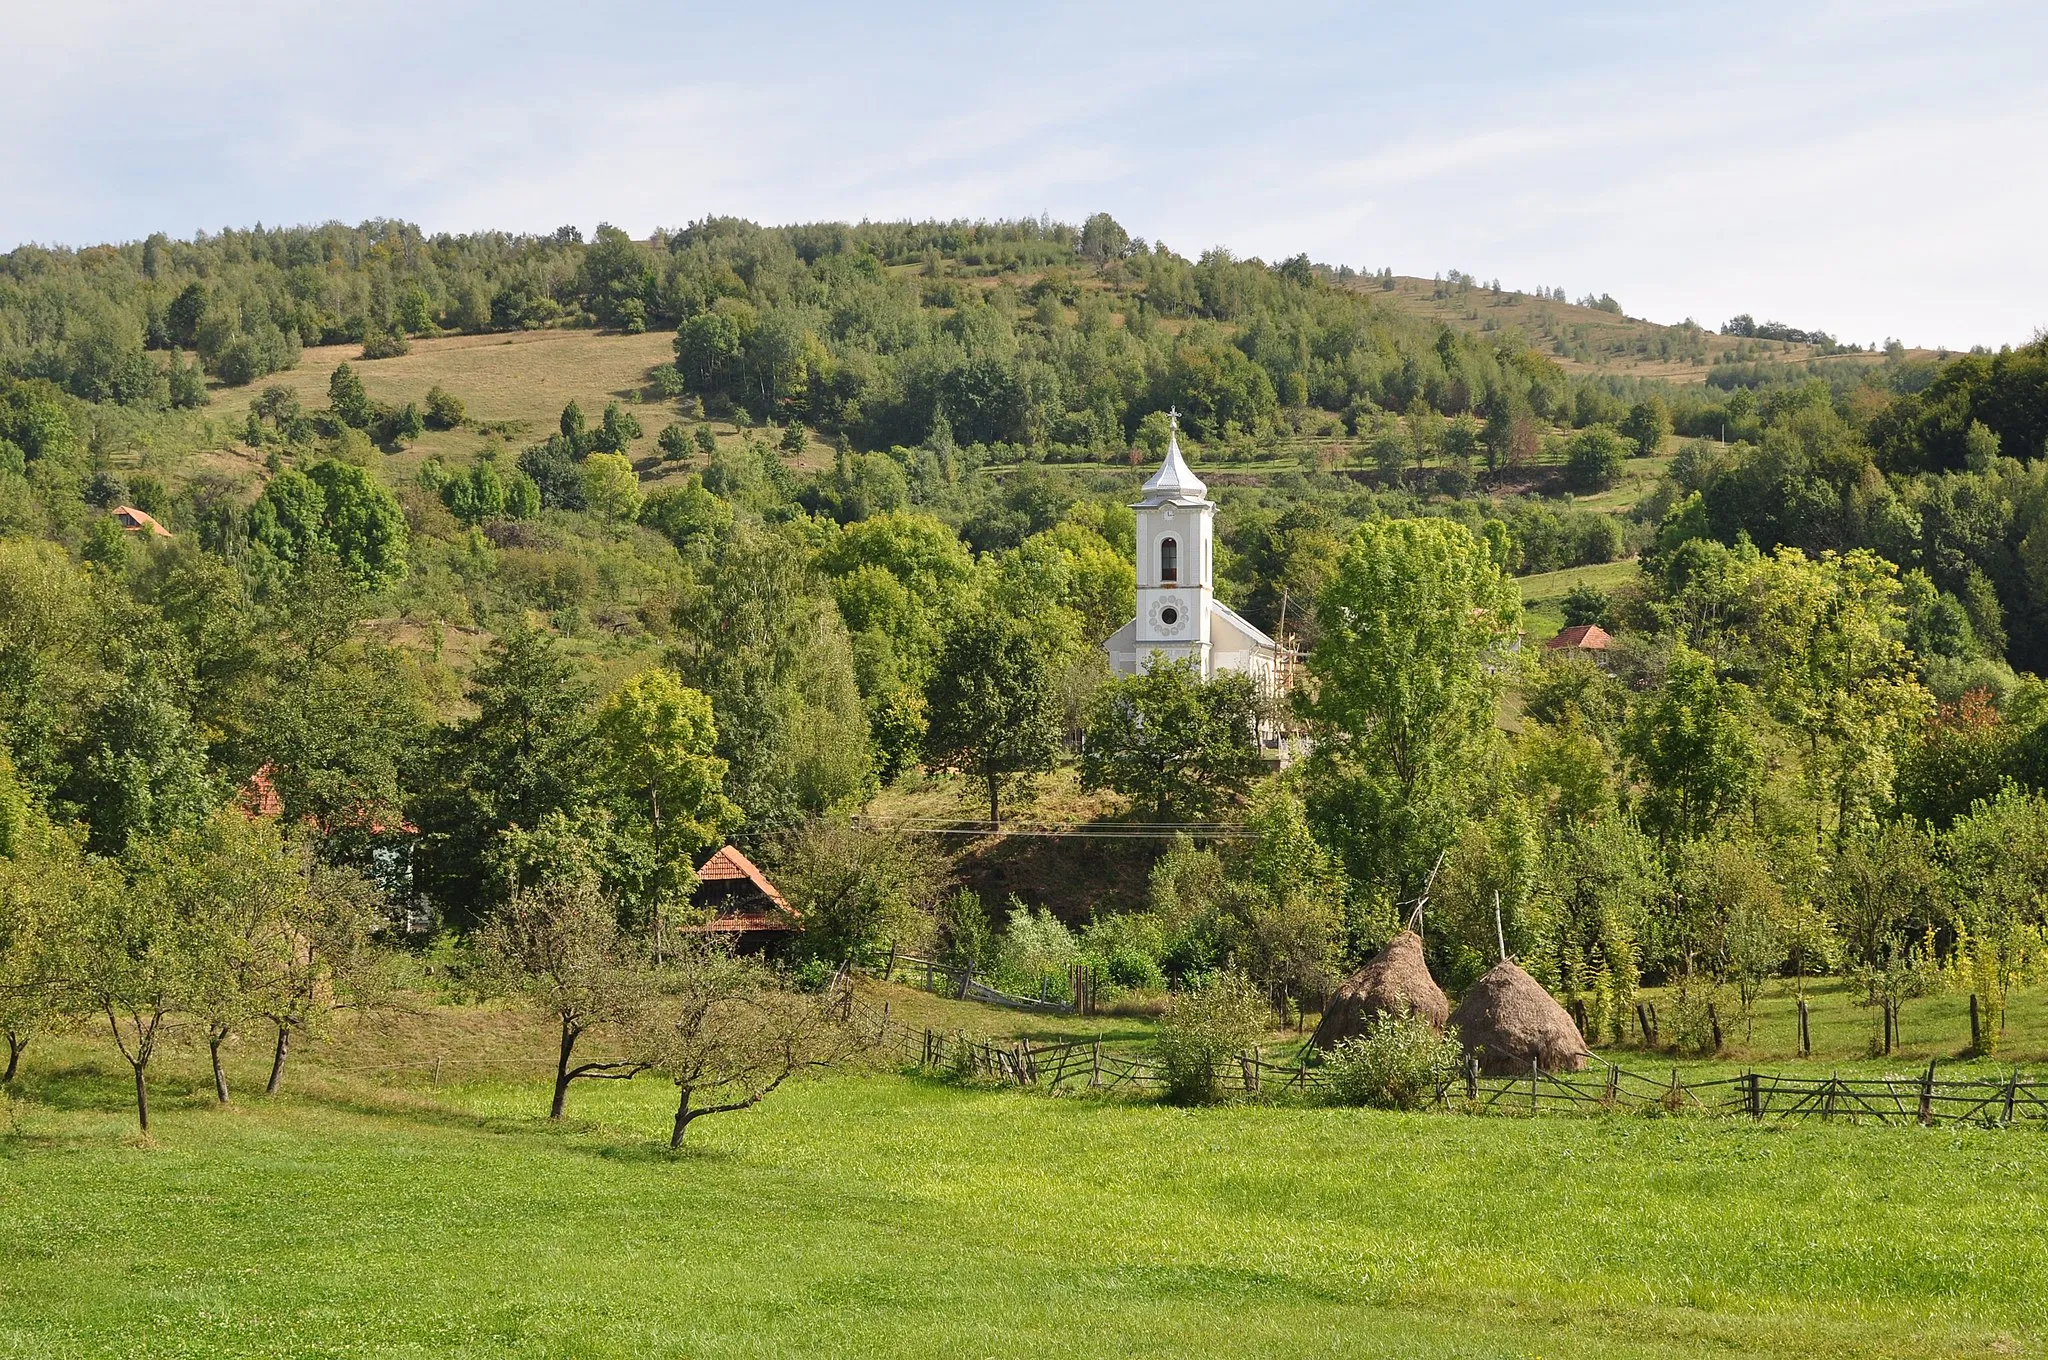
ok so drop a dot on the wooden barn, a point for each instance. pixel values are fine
(745, 907)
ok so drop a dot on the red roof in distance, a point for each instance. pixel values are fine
(138, 521)
(1590, 637)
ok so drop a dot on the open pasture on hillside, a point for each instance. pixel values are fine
(524, 378)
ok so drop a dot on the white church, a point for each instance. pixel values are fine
(1179, 616)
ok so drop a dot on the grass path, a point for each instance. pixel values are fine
(885, 1215)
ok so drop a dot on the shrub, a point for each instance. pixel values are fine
(673, 441)
(1594, 457)
(1126, 947)
(1036, 952)
(444, 409)
(1398, 1064)
(388, 345)
(1585, 603)
(1205, 1027)
(962, 938)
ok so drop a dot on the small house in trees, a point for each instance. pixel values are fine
(745, 908)
(1581, 637)
(136, 521)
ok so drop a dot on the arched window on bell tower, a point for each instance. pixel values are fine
(1169, 560)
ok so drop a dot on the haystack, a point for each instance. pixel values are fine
(1507, 1021)
(1395, 981)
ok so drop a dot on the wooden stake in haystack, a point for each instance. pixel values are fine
(1508, 1023)
(1395, 981)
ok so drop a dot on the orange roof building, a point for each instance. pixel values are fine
(1585, 637)
(138, 521)
(743, 903)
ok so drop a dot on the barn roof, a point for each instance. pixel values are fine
(729, 865)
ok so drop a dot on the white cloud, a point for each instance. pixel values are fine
(1868, 168)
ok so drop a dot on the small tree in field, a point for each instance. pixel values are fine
(727, 1032)
(319, 953)
(559, 946)
(39, 882)
(1594, 458)
(857, 887)
(229, 880)
(134, 964)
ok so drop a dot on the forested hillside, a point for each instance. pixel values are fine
(830, 511)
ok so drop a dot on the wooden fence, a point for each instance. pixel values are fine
(1085, 1065)
(1078, 987)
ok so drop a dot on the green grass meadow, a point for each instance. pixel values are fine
(881, 1214)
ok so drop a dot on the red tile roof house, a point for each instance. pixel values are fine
(1587, 637)
(745, 907)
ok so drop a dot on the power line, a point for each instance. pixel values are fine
(1107, 831)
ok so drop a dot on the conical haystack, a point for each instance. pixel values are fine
(1395, 981)
(1507, 1020)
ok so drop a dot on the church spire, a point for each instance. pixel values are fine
(1175, 480)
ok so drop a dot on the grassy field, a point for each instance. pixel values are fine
(524, 378)
(885, 1215)
(1543, 594)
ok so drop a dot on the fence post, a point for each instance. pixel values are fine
(2012, 1089)
(1976, 1032)
(1249, 1065)
(1653, 1023)
(1613, 1084)
(1828, 1109)
(1095, 1073)
(1756, 1095)
(1927, 1094)
(1027, 1071)
(889, 968)
(1532, 1085)
(1472, 1079)
(1643, 1025)
(1805, 1033)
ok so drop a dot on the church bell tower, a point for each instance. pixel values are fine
(1176, 563)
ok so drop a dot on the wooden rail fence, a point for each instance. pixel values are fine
(1086, 1065)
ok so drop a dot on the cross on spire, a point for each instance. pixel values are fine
(1173, 418)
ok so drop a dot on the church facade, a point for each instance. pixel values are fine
(1179, 616)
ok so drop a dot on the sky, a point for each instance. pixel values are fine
(1871, 169)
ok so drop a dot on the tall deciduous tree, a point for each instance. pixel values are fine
(1408, 666)
(992, 709)
(653, 744)
(774, 657)
(1690, 745)
(1173, 742)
